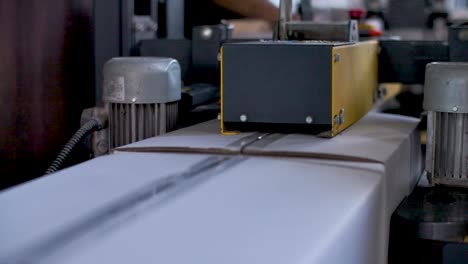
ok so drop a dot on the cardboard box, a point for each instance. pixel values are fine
(249, 198)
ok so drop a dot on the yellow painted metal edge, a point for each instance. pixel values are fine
(223, 129)
(354, 82)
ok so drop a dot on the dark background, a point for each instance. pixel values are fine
(46, 80)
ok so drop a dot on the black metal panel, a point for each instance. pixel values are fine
(126, 16)
(458, 41)
(198, 57)
(407, 13)
(112, 35)
(282, 83)
(107, 38)
(332, 31)
(143, 7)
(405, 61)
(205, 51)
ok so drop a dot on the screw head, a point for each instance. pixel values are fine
(243, 118)
(455, 108)
(336, 120)
(102, 147)
(134, 99)
(463, 35)
(139, 27)
(206, 33)
(337, 57)
(342, 116)
(309, 120)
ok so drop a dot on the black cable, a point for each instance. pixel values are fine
(89, 127)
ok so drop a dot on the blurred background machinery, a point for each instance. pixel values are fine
(42, 104)
(147, 73)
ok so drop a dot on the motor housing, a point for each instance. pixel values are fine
(446, 103)
(141, 95)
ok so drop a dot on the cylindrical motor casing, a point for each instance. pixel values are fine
(446, 101)
(141, 94)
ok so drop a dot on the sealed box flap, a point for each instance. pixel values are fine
(201, 138)
(376, 137)
(372, 139)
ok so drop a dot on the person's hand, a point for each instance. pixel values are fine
(296, 17)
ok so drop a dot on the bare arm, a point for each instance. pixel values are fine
(261, 9)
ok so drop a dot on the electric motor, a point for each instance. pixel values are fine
(446, 101)
(141, 95)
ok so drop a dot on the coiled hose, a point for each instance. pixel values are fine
(89, 127)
